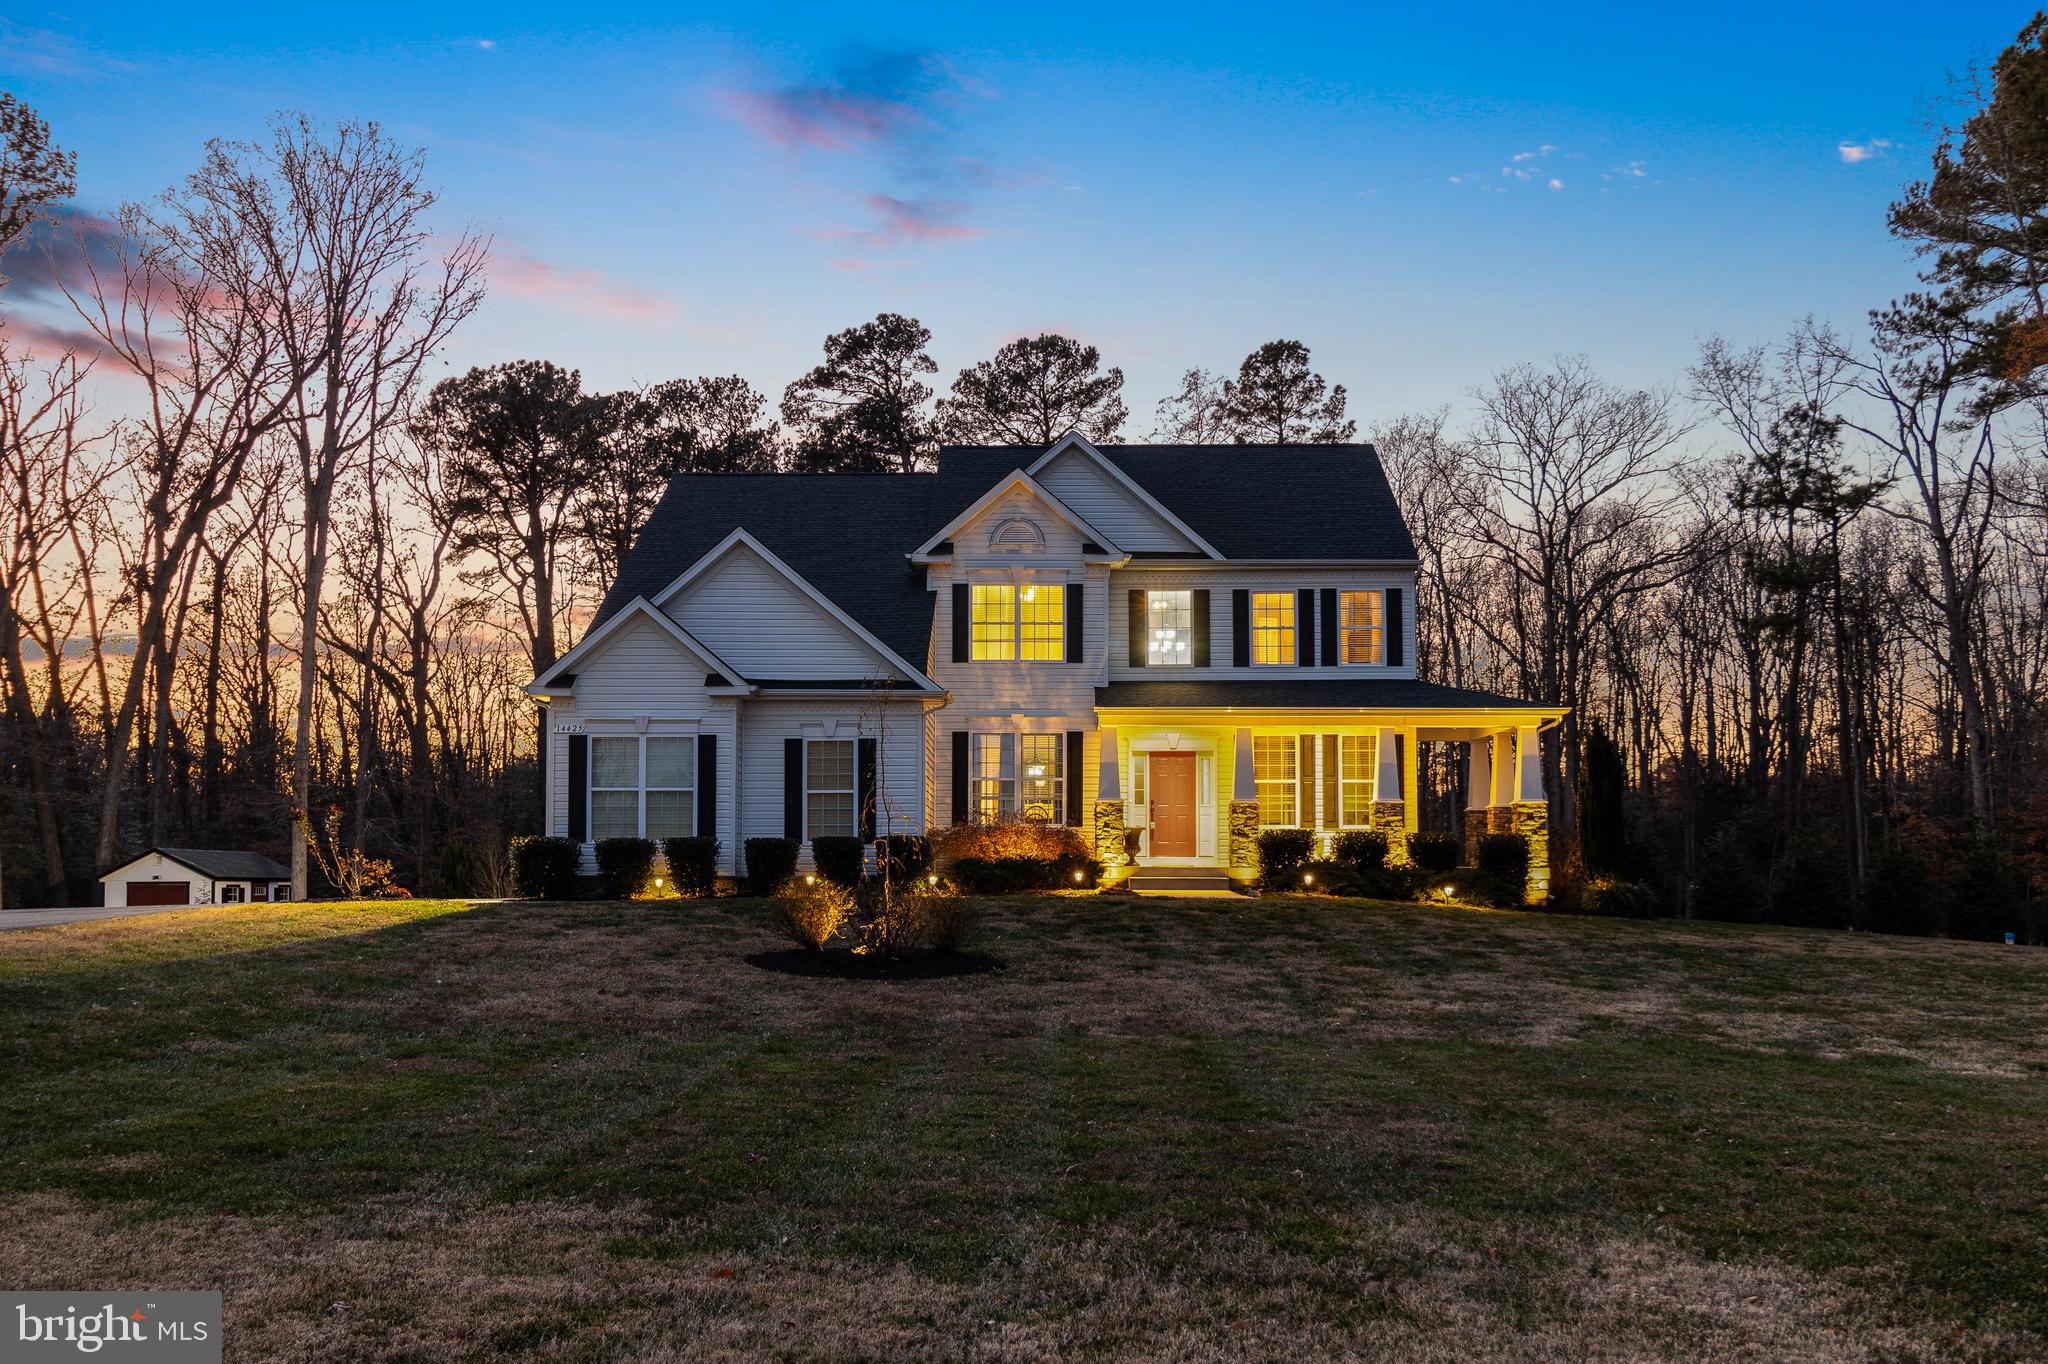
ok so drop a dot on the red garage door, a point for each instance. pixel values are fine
(159, 892)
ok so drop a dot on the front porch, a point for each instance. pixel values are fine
(1193, 789)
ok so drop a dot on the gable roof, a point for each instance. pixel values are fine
(216, 864)
(563, 673)
(1076, 444)
(1017, 478)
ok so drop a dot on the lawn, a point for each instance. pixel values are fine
(1177, 1130)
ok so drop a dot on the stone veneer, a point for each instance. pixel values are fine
(1244, 840)
(1109, 838)
(1390, 817)
(1531, 819)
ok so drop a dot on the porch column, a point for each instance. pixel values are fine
(1532, 809)
(1478, 794)
(1244, 811)
(1500, 808)
(1109, 810)
(1390, 793)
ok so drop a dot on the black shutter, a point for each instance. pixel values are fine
(1332, 810)
(1199, 609)
(579, 788)
(707, 786)
(864, 779)
(793, 789)
(1138, 627)
(1395, 630)
(1305, 627)
(1305, 782)
(1329, 627)
(962, 632)
(1074, 619)
(1241, 627)
(960, 742)
(1074, 777)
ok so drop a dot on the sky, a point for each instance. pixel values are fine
(1423, 195)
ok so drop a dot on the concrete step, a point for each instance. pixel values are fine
(1180, 878)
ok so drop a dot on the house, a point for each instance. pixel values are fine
(1193, 642)
(195, 876)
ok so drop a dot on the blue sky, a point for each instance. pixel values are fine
(1422, 195)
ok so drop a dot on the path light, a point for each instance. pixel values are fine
(932, 880)
(1078, 878)
(1308, 878)
(810, 880)
(657, 883)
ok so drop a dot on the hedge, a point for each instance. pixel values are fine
(838, 858)
(770, 862)
(693, 863)
(1282, 852)
(625, 865)
(544, 868)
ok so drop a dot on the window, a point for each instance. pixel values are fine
(1169, 623)
(1273, 773)
(994, 776)
(231, 895)
(1011, 621)
(1360, 628)
(1357, 764)
(828, 788)
(643, 787)
(1039, 757)
(1272, 627)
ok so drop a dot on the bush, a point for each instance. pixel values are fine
(1434, 852)
(838, 858)
(1365, 848)
(1987, 897)
(544, 868)
(919, 916)
(1014, 838)
(1326, 878)
(460, 872)
(1622, 899)
(1006, 875)
(1282, 853)
(903, 858)
(693, 864)
(625, 865)
(1899, 894)
(1502, 872)
(809, 911)
(770, 862)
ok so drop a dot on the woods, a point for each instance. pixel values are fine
(268, 585)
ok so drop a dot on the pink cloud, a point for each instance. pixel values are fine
(816, 118)
(918, 220)
(578, 291)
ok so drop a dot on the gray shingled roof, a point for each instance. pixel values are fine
(848, 534)
(225, 865)
(1372, 693)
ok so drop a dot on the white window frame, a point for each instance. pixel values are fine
(640, 788)
(1293, 743)
(1371, 745)
(1169, 627)
(851, 790)
(232, 894)
(1055, 776)
(1286, 634)
(988, 643)
(1375, 632)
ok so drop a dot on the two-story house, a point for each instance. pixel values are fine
(1189, 642)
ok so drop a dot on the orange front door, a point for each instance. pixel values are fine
(1173, 805)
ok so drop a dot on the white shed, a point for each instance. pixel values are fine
(195, 876)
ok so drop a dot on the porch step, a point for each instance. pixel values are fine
(1179, 878)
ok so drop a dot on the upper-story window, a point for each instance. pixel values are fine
(1361, 627)
(1169, 626)
(1013, 620)
(1272, 627)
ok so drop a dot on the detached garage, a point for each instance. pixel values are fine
(195, 876)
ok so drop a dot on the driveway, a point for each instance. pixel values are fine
(43, 918)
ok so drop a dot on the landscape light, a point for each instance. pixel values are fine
(933, 879)
(657, 883)
(1078, 878)
(1308, 878)
(810, 880)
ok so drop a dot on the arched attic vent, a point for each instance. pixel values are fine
(1016, 533)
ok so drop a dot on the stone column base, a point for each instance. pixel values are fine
(1244, 840)
(1478, 824)
(1531, 819)
(1109, 839)
(1390, 817)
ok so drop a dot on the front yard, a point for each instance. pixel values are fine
(1211, 1128)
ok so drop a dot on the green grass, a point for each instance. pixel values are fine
(1204, 1128)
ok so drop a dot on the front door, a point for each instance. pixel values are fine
(1173, 805)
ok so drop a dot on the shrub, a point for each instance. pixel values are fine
(625, 865)
(1502, 871)
(809, 912)
(1622, 899)
(1326, 878)
(1282, 852)
(903, 857)
(770, 861)
(1433, 852)
(1014, 838)
(1361, 848)
(1005, 875)
(838, 858)
(918, 916)
(460, 872)
(1987, 896)
(693, 863)
(1899, 894)
(544, 868)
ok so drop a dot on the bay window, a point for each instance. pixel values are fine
(1169, 626)
(1273, 628)
(1274, 766)
(643, 786)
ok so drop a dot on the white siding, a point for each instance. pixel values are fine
(748, 613)
(899, 759)
(1099, 499)
(1221, 582)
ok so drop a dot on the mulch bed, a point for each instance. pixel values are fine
(841, 964)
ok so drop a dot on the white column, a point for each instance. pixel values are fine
(1528, 764)
(1111, 783)
(1478, 775)
(1503, 769)
(1388, 784)
(1243, 779)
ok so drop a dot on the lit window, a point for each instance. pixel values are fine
(994, 621)
(1169, 626)
(1273, 627)
(1039, 759)
(643, 787)
(994, 776)
(1358, 759)
(1042, 623)
(1273, 773)
(828, 788)
(1360, 627)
